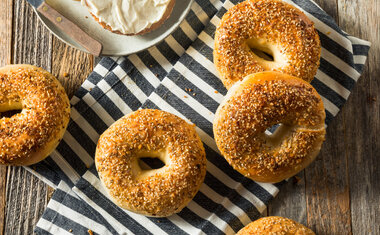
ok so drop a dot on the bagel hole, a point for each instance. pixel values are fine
(150, 163)
(263, 54)
(10, 113)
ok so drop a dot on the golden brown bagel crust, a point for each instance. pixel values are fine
(260, 101)
(271, 23)
(144, 31)
(273, 225)
(147, 133)
(30, 136)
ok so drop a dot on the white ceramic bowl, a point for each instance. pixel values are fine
(113, 44)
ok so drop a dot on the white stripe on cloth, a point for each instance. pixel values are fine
(192, 206)
(147, 73)
(219, 199)
(51, 228)
(198, 11)
(189, 100)
(358, 41)
(77, 218)
(206, 63)
(188, 30)
(143, 220)
(360, 59)
(198, 82)
(331, 83)
(85, 126)
(160, 59)
(110, 219)
(66, 168)
(329, 106)
(177, 48)
(78, 149)
(340, 64)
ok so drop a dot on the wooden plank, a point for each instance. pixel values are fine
(5, 58)
(70, 66)
(327, 186)
(291, 200)
(362, 119)
(26, 195)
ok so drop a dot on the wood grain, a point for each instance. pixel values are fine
(327, 186)
(362, 119)
(26, 194)
(291, 200)
(5, 58)
(70, 66)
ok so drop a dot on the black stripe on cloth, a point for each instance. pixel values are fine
(218, 210)
(167, 226)
(329, 117)
(106, 62)
(92, 118)
(41, 231)
(82, 138)
(81, 207)
(168, 53)
(194, 22)
(204, 49)
(207, 7)
(328, 93)
(186, 110)
(71, 158)
(198, 222)
(139, 79)
(64, 222)
(81, 92)
(335, 48)
(182, 38)
(149, 62)
(359, 67)
(232, 195)
(61, 175)
(94, 78)
(203, 73)
(360, 49)
(109, 106)
(210, 30)
(336, 74)
(48, 171)
(149, 105)
(117, 213)
(200, 96)
(223, 165)
(128, 96)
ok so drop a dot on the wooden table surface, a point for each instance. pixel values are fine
(338, 194)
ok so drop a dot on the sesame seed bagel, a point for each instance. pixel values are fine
(255, 27)
(31, 135)
(151, 133)
(272, 225)
(257, 103)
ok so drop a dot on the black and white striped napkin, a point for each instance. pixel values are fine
(178, 76)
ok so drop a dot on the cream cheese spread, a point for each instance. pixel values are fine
(128, 16)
